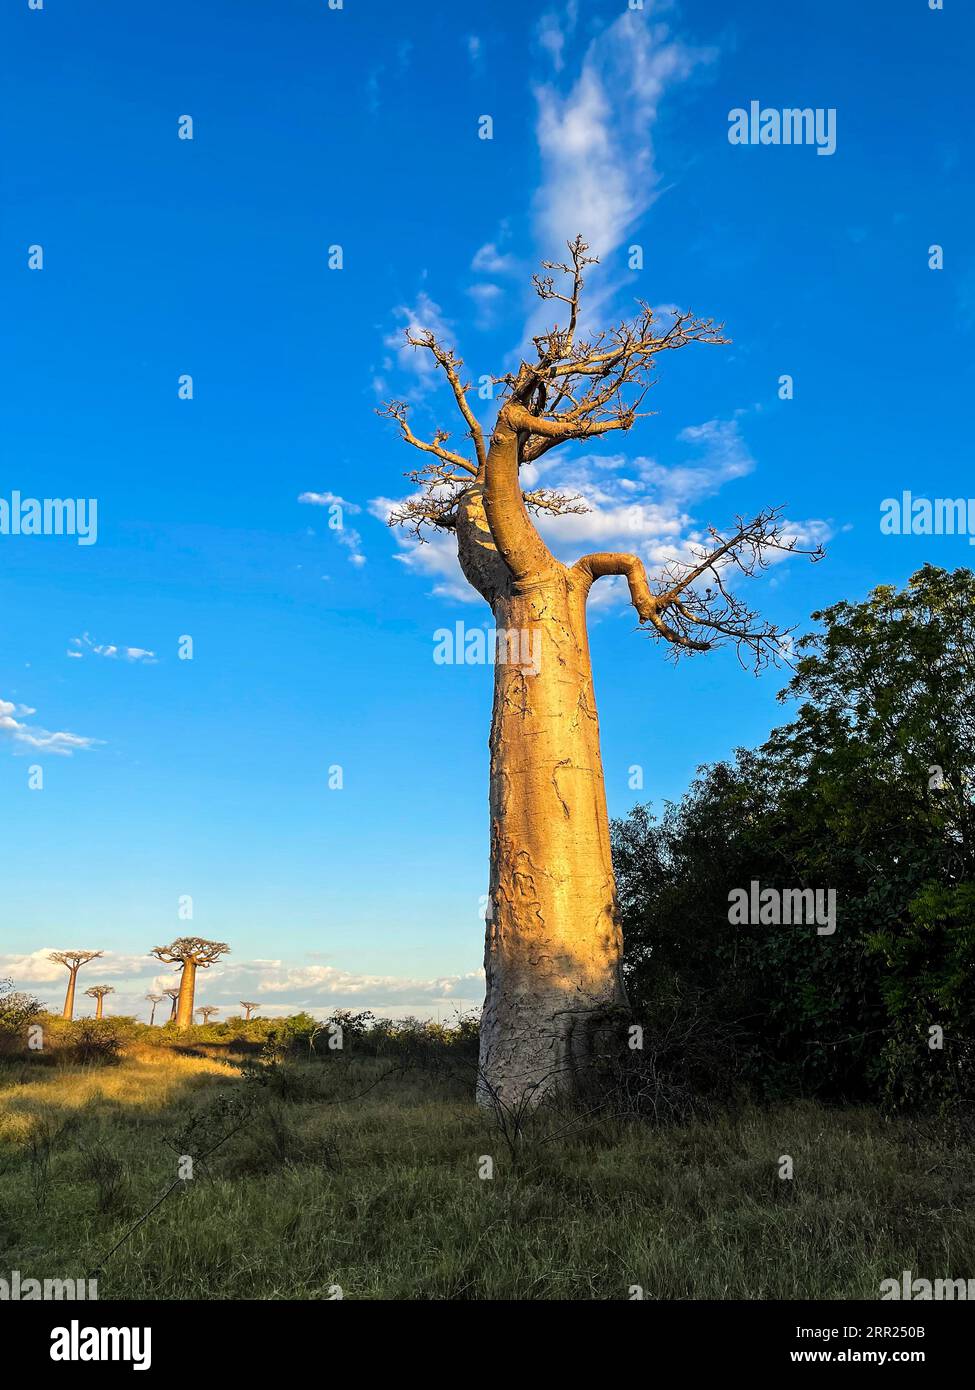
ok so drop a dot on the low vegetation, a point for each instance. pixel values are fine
(365, 1169)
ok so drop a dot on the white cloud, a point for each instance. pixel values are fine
(35, 968)
(486, 297)
(595, 139)
(27, 736)
(281, 987)
(328, 499)
(554, 30)
(640, 505)
(317, 986)
(488, 260)
(722, 456)
(346, 536)
(425, 316)
(78, 646)
(436, 559)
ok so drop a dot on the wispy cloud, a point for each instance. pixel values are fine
(638, 504)
(488, 260)
(79, 647)
(26, 737)
(328, 499)
(487, 298)
(554, 31)
(346, 536)
(435, 560)
(595, 138)
(424, 316)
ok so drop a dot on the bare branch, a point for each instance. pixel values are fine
(699, 619)
(425, 510)
(554, 503)
(450, 363)
(714, 612)
(545, 289)
(575, 389)
(398, 411)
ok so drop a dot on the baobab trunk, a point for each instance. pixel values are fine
(68, 1011)
(99, 1002)
(554, 990)
(187, 989)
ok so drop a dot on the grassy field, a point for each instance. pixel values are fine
(309, 1184)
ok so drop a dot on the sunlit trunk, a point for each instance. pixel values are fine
(69, 997)
(187, 987)
(554, 990)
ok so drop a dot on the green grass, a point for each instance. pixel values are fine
(381, 1194)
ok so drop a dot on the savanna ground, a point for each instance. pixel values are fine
(365, 1175)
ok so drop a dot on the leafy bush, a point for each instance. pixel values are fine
(867, 792)
(18, 1011)
(99, 1040)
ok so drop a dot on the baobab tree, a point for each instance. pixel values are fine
(247, 1005)
(154, 999)
(190, 954)
(172, 994)
(206, 1010)
(555, 999)
(98, 992)
(74, 960)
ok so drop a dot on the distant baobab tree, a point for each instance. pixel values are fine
(190, 953)
(247, 1005)
(173, 994)
(206, 1010)
(153, 999)
(74, 960)
(98, 993)
(555, 997)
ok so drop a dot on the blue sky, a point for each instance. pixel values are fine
(313, 647)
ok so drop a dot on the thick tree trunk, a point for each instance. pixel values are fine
(68, 1011)
(554, 991)
(98, 1006)
(187, 987)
